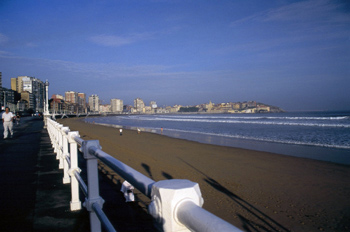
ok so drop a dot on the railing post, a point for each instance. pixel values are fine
(93, 184)
(177, 206)
(166, 196)
(66, 178)
(57, 139)
(54, 137)
(60, 146)
(75, 203)
(49, 127)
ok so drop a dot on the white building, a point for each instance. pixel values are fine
(94, 103)
(139, 105)
(116, 105)
(105, 108)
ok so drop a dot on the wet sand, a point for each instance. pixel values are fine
(255, 191)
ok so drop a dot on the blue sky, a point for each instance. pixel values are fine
(292, 54)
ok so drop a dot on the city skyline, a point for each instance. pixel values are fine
(290, 54)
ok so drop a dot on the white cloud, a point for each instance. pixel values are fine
(117, 41)
(3, 53)
(3, 38)
(32, 45)
(312, 22)
(109, 40)
(306, 12)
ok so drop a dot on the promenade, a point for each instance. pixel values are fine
(33, 197)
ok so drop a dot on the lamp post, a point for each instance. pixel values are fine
(4, 99)
(46, 110)
(47, 97)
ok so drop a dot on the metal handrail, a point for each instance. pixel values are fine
(79, 140)
(137, 179)
(82, 184)
(68, 160)
(103, 218)
(198, 219)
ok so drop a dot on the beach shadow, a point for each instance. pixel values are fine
(167, 175)
(266, 223)
(148, 169)
(250, 226)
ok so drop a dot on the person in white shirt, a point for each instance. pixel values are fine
(7, 120)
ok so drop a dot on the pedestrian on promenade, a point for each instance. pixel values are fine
(161, 130)
(18, 118)
(7, 120)
(138, 131)
(121, 131)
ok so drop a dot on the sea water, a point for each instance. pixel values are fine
(317, 135)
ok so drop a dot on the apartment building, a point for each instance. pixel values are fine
(71, 96)
(116, 105)
(139, 105)
(94, 103)
(33, 86)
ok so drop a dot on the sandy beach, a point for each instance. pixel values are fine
(255, 191)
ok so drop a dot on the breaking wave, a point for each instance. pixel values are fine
(242, 121)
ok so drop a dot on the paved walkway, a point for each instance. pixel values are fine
(33, 197)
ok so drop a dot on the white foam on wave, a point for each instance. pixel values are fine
(292, 142)
(265, 140)
(233, 120)
(253, 117)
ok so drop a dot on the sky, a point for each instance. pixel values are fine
(291, 54)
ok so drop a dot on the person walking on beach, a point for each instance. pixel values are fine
(121, 131)
(7, 120)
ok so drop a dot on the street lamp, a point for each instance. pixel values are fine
(46, 111)
(4, 99)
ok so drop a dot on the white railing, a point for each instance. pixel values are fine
(176, 204)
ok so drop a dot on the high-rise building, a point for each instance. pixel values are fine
(94, 103)
(82, 99)
(82, 102)
(33, 86)
(14, 84)
(71, 96)
(17, 83)
(116, 105)
(139, 105)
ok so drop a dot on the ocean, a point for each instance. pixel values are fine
(316, 135)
